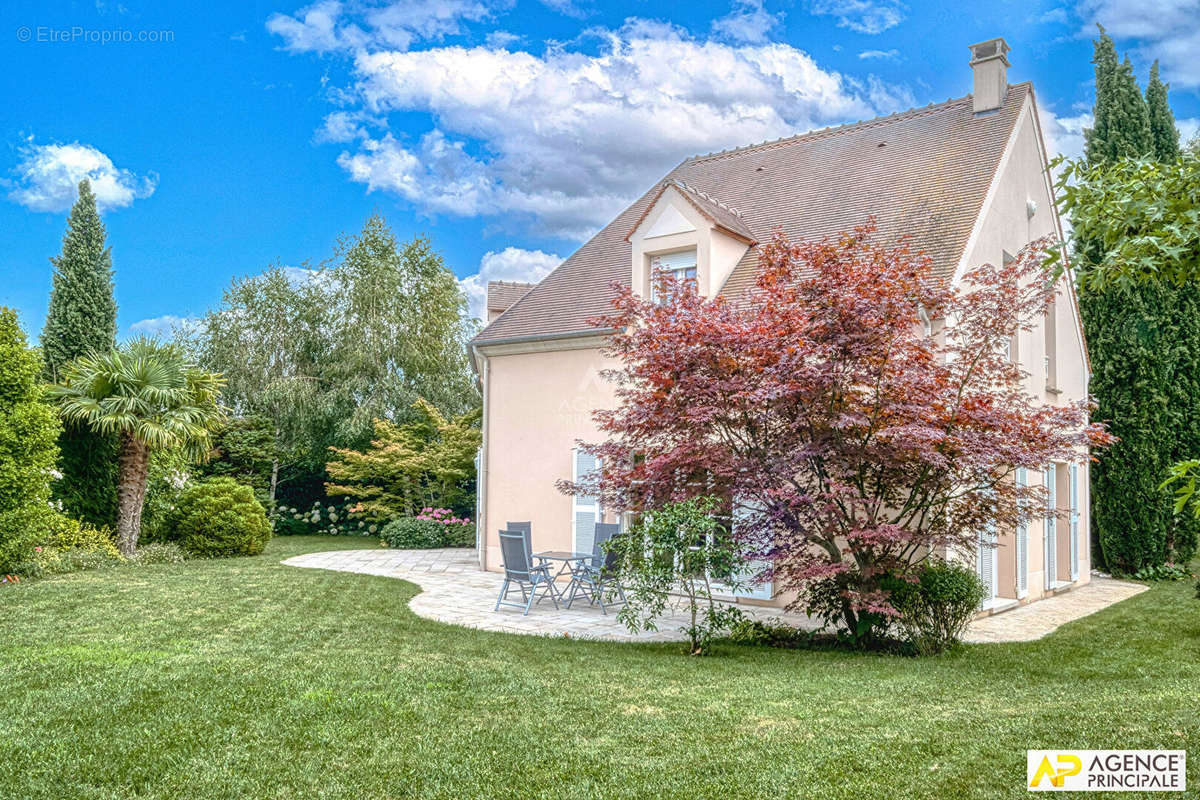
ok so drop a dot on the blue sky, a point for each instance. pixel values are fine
(227, 136)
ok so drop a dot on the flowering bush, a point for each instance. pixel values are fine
(432, 528)
(321, 520)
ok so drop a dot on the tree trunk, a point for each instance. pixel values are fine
(274, 484)
(134, 465)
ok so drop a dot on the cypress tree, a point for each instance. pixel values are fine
(1164, 136)
(1121, 120)
(1144, 343)
(82, 318)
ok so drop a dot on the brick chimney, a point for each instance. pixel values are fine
(989, 63)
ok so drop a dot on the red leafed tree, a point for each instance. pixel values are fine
(852, 444)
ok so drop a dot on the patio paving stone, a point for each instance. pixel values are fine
(454, 590)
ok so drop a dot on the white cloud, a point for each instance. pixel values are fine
(166, 326)
(331, 25)
(344, 126)
(1189, 129)
(747, 21)
(1063, 134)
(548, 138)
(862, 16)
(48, 177)
(885, 55)
(509, 264)
(1167, 30)
(502, 40)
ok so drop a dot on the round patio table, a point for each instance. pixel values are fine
(569, 561)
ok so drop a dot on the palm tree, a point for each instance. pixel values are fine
(147, 394)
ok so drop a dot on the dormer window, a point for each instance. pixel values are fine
(680, 265)
(926, 322)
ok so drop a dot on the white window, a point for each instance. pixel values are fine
(926, 322)
(585, 511)
(681, 266)
(1050, 538)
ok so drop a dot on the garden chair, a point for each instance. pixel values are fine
(599, 575)
(514, 549)
(527, 529)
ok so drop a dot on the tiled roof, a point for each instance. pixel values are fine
(922, 173)
(716, 212)
(501, 295)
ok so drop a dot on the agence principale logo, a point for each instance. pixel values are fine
(1106, 770)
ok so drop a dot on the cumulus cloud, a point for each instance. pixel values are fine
(1167, 30)
(546, 138)
(331, 25)
(861, 16)
(166, 326)
(48, 176)
(509, 264)
(747, 21)
(1063, 134)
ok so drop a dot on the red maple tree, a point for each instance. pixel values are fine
(851, 442)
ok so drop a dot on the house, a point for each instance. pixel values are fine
(966, 179)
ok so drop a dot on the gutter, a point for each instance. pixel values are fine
(544, 337)
(480, 363)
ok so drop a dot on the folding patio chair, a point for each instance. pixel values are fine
(594, 578)
(514, 549)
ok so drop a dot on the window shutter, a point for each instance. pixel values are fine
(1050, 536)
(986, 558)
(585, 511)
(1022, 542)
(1074, 521)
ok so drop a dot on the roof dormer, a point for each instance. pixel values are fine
(686, 231)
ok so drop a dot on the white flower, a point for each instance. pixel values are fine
(54, 474)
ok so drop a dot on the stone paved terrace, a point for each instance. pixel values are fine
(455, 591)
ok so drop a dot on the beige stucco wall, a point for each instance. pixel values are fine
(538, 405)
(1004, 226)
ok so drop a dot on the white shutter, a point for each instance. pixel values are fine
(585, 509)
(1022, 541)
(986, 558)
(1074, 521)
(1050, 535)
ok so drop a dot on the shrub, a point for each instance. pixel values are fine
(458, 532)
(410, 533)
(769, 633)
(936, 608)
(321, 520)
(158, 553)
(28, 433)
(220, 517)
(55, 561)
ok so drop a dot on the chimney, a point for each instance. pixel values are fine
(989, 62)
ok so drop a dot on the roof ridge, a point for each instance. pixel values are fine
(705, 196)
(513, 283)
(911, 113)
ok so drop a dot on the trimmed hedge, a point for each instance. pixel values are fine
(410, 533)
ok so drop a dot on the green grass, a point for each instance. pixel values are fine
(245, 678)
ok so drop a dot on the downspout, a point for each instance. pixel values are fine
(481, 474)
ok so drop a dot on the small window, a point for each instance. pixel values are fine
(681, 266)
(926, 322)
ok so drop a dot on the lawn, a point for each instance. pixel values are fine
(245, 678)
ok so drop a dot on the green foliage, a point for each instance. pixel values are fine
(425, 463)
(1121, 126)
(680, 548)
(146, 393)
(320, 519)
(219, 518)
(435, 529)
(765, 633)
(936, 608)
(323, 353)
(169, 474)
(63, 545)
(158, 553)
(1164, 136)
(82, 319)
(1134, 206)
(1163, 572)
(243, 450)
(28, 431)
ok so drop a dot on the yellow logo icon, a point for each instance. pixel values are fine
(1057, 776)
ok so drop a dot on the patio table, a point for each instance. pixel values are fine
(569, 561)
